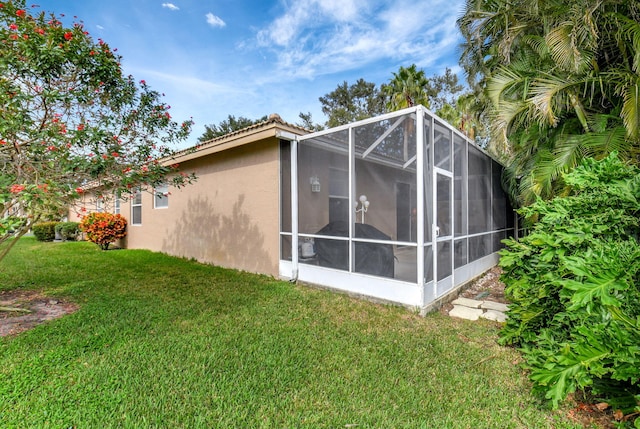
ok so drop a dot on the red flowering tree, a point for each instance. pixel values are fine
(103, 228)
(70, 120)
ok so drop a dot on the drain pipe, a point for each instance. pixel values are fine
(294, 210)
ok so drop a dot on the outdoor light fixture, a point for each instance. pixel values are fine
(364, 206)
(315, 184)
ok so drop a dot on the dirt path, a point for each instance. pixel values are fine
(40, 309)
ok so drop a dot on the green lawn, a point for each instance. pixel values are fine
(168, 343)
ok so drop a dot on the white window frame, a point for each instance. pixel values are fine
(161, 196)
(136, 205)
(116, 204)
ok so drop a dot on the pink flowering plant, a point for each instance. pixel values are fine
(70, 121)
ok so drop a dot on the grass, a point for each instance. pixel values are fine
(161, 342)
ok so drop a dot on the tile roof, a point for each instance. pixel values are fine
(273, 120)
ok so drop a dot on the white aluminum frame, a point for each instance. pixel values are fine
(422, 292)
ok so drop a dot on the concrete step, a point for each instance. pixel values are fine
(473, 309)
(492, 305)
(464, 312)
(496, 316)
(466, 302)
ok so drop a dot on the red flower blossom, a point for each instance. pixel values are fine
(92, 52)
(80, 127)
(105, 156)
(20, 13)
(13, 27)
(68, 35)
(79, 190)
(16, 189)
(51, 148)
(2, 142)
(115, 154)
(40, 30)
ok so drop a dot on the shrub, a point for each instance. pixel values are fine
(68, 230)
(574, 284)
(44, 231)
(103, 228)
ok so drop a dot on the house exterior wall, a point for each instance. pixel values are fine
(228, 217)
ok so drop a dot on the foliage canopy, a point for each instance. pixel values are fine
(560, 81)
(70, 119)
(574, 284)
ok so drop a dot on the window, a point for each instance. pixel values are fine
(136, 208)
(161, 197)
(116, 204)
(99, 204)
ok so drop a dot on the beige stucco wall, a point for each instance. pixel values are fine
(228, 217)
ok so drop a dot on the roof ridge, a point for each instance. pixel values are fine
(273, 118)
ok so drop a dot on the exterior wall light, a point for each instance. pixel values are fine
(315, 184)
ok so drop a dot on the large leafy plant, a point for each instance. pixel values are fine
(70, 120)
(574, 286)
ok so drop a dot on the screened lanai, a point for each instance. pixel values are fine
(401, 207)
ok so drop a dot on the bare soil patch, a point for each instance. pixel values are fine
(31, 309)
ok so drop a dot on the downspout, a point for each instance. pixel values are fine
(294, 210)
(293, 139)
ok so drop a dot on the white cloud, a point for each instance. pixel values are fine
(215, 21)
(99, 27)
(317, 37)
(170, 6)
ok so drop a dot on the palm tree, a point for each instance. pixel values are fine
(560, 81)
(406, 89)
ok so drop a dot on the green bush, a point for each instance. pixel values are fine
(104, 228)
(574, 284)
(45, 231)
(67, 230)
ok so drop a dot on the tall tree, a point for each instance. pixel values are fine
(227, 126)
(443, 90)
(407, 88)
(559, 80)
(350, 103)
(69, 119)
(306, 121)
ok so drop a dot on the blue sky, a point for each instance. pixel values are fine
(212, 58)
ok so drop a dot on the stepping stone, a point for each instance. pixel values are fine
(464, 312)
(471, 303)
(496, 316)
(492, 305)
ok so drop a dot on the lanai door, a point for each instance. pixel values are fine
(443, 208)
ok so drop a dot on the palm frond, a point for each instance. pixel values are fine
(565, 50)
(631, 110)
